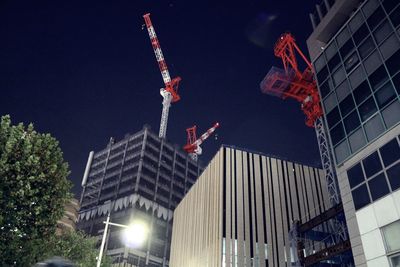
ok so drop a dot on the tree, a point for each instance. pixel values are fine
(76, 247)
(33, 191)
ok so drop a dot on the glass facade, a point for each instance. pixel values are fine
(358, 75)
(376, 175)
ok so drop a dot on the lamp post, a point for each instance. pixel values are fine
(135, 234)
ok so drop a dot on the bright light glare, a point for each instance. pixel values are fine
(135, 235)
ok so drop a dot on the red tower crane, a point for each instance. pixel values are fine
(193, 144)
(301, 86)
(170, 91)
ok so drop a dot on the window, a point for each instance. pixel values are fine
(337, 134)
(351, 122)
(334, 61)
(378, 186)
(395, 17)
(325, 88)
(346, 48)
(360, 197)
(367, 109)
(341, 151)
(330, 102)
(394, 176)
(357, 140)
(347, 105)
(396, 82)
(390, 4)
(343, 90)
(362, 92)
(366, 47)
(382, 31)
(391, 114)
(374, 127)
(355, 175)
(376, 18)
(333, 117)
(393, 63)
(338, 77)
(351, 62)
(322, 74)
(372, 164)
(385, 95)
(360, 34)
(391, 235)
(378, 77)
(390, 152)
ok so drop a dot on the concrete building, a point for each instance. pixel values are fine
(70, 217)
(355, 50)
(241, 208)
(140, 177)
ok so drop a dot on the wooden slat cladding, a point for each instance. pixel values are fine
(241, 208)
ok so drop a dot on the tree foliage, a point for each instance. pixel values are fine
(76, 247)
(33, 191)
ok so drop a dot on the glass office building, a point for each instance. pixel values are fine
(355, 50)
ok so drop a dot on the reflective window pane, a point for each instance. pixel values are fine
(374, 127)
(391, 114)
(334, 62)
(391, 235)
(362, 92)
(372, 164)
(351, 122)
(343, 90)
(357, 140)
(338, 77)
(351, 62)
(395, 260)
(360, 34)
(333, 117)
(383, 31)
(367, 109)
(375, 18)
(366, 47)
(394, 176)
(395, 17)
(337, 134)
(385, 95)
(378, 77)
(341, 151)
(321, 76)
(355, 175)
(360, 197)
(390, 4)
(346, 48)
(378, 187)
(393, 63)
(347, 105)
(325, 88)
(396, 82)
(390, 152)
(330, 102)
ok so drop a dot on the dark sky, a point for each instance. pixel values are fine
(85, 71)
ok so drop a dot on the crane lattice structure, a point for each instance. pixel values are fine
(170, 91)
(301, 86)
(193, 144)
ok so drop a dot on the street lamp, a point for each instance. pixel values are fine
(134, 235)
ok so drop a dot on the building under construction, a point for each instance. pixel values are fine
(141, 177)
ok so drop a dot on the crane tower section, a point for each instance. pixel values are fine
(301, 86)
(193, 144)
(170, 91)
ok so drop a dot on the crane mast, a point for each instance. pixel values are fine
(193, 144)
(170, 91)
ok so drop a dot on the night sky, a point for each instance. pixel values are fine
(85, 71)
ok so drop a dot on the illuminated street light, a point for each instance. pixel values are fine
(134, 235)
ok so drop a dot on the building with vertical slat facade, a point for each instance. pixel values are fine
(241, 208)
(141, 177)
